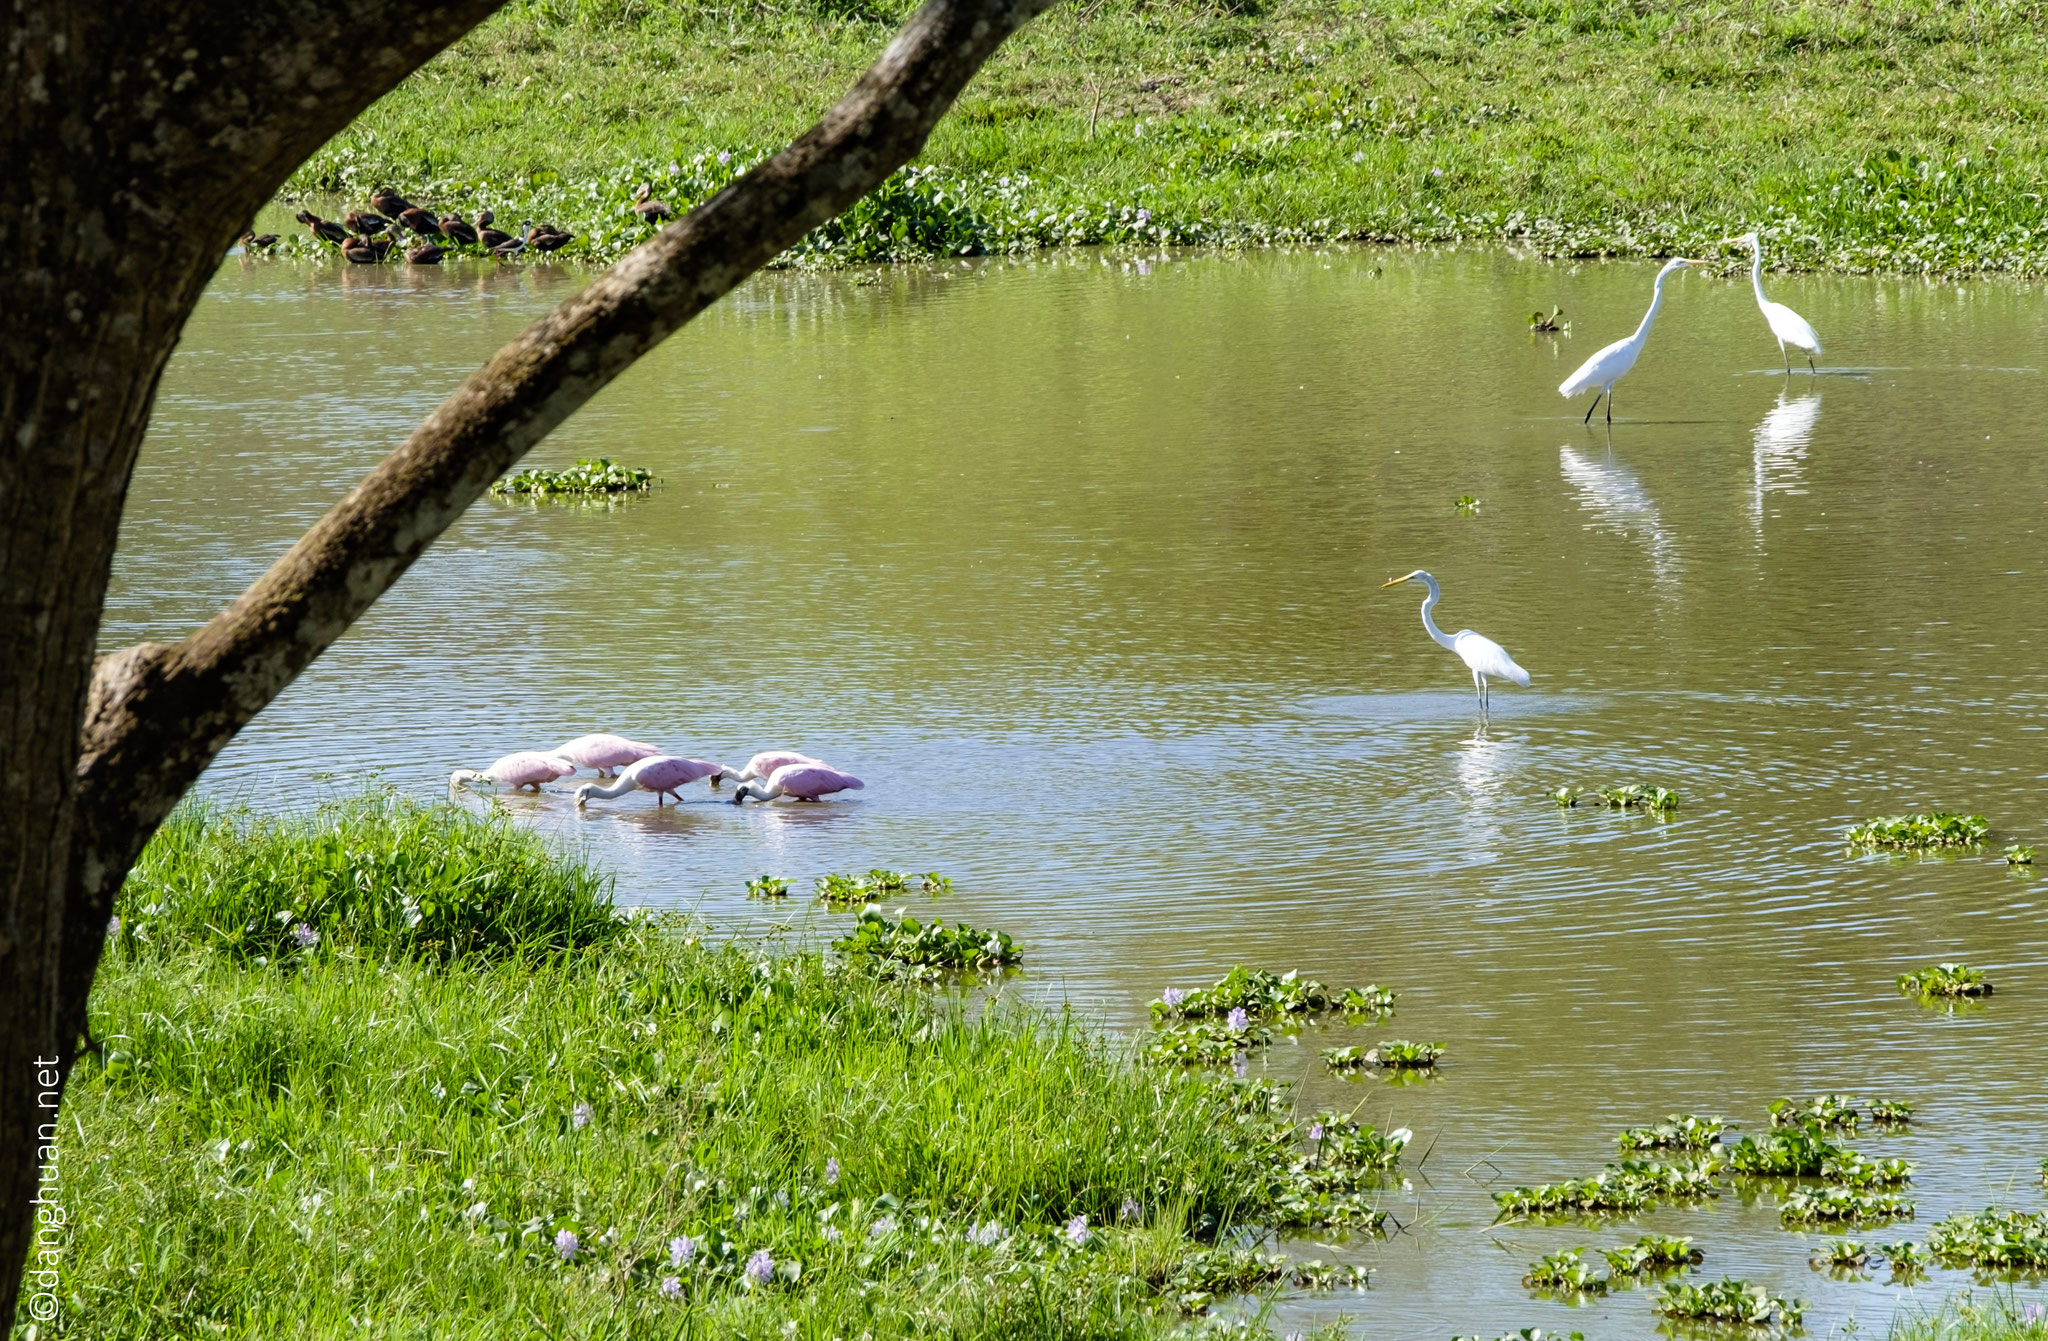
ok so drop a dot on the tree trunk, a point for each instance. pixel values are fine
(143, 139)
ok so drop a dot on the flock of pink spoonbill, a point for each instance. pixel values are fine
(645, 768)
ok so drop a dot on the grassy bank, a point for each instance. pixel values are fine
(587, 1125)
(1998, 1315)
(1886, 135)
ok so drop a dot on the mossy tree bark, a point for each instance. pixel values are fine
(141, 140)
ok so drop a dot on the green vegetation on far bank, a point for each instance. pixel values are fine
(1887, 135)
(600, 1125)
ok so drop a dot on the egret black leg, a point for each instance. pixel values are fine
(1594, 406)
(1610, 407)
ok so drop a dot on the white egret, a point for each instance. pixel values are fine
(1606, 368)
(1787, 326)
(1484, 655)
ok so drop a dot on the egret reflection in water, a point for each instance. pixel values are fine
(1619, 503)
(1780, 455)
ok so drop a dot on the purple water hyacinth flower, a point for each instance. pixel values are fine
(580, 1116)
(832, 1170)
(671, 1287)
(1315, 1131)
(831, 1233)
(985, 1235)
(1173, 996)
(1130, 1210)
(682, 1250)
(568, 1245)
(1144, 216)
(1237, 1020)
(113, 927)
(305, 936)
(761, 1267)
(881, 1228)
(725, 156)
(2032, 1314)
(1077, 1230)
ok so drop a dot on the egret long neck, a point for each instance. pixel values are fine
(1642, 331)
(1429, 602)
(1756, 273)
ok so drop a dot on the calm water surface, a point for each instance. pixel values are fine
(1077, 563)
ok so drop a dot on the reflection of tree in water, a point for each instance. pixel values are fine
(1619, 503)
(1781, 451)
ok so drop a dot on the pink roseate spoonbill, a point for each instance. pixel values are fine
(767, 761)
(523, 769)
(603, 752)
(1484, 655)
(805, 782)
(663, 774)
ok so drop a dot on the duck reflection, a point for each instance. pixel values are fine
(1780, 456)
(1619, 503)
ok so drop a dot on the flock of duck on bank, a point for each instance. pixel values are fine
(372, 236)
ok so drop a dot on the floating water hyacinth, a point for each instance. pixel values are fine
(682, 1250)
(1638, 796)
(1794, 1152)
(1262, 992)
(1678, 1131)
(1837, 1112)
(2019, 854)
(1629, 1186)
(1651, 1253)
(1841, 1255)
(1945, 980)
(580, 1116)
(587, 477)
(1237, 1021)
(1993, 1239)
(1465, 505)
(761, 1267)
(567, 1245)
(1565, 796)
(1728, 1301)
(1907, 1258)
(959, 948)
(1843, 1205)
(1919, 833)
(767, 887)
(1399, 1053)
(1564, 1273)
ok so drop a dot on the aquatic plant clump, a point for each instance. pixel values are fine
(1205, 1042)
(767, 887)
(934, 945)
(1678, 1131)
(1850, 1169)
(1400, 1054)
(1945, 980)
(843, 892)
(1261, 992)
(375, 875)
(1995, 1239)
(1796, 1152)
(1200, 1279)
(1728, 1300)
(1843, 1205)
(1841, 1255)
(1839, 1112)
(1652, 1253)
(1564, 1273)
(1631, 1186)
(1329, 1182)
(596, 476)
(1638, 796)
(1919, 833)
(2019, 854)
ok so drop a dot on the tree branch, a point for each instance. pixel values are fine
(160, 713)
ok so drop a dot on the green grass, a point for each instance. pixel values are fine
(1890, 135)
(374, 875)
(375, 1138)
(1999, 1315)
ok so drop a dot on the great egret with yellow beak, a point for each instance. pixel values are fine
(1484, 655)
(1787, 326)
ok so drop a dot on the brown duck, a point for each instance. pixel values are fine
(325, 229)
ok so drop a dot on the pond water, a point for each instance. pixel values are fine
(1077, 560)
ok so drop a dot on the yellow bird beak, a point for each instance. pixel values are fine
(1395, 583)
